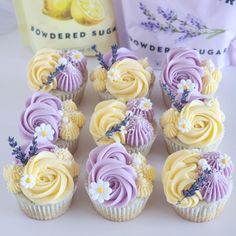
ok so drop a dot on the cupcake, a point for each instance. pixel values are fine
(43, 181)
(197, 125)
(121, 75)
(197, 184)
(183, 69)
(132, 124)
(51, 120)
(118, 183)
(61, 73)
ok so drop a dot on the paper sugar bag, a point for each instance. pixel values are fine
(152, 27)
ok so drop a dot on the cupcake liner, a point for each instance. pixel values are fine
(144, 149)
(204, 211)
(174, 145)
(166, 98)
(75, 96)
(70, 145)
(119, 214)
(45, 212)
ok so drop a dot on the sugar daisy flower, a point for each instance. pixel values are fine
(145, 104)
(100, 191)
(185, 85)
(44, 131)
(224, 161)
(28, 181)
(184, 125)
(113, 74)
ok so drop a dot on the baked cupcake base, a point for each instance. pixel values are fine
(204, 211)
(75, 96)
(166, 99)
(119, 214)
(45, 212)
(174, 145)
(144, 149)
(70, 145)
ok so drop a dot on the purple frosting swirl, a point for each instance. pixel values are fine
(122, 53)
(182, 64)
(45, 98)
(139, 131)
(213, 159)
(41, 146)
(113, 151)
(79, 63)
(215, 188)
(41, 108)
(104, 164)
(134, 107)
(70, 79)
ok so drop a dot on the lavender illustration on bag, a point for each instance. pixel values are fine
(187, 28)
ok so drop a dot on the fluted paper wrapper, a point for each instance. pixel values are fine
(44, 212)
(70, 145)
(144, 149)
(75, 96)
(204, 211)
(174, 145)
(166, 99)
(119, 214)
(107, 96)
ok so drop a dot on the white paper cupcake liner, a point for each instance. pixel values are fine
(45, 212)
(174, 145)
(166, 98)
(204, 211)
(70, 145)
(144, 149)
(75, 96)
(119, 214)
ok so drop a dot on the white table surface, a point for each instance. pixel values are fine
(158, 218)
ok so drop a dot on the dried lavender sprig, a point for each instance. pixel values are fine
(33, 148)
(53, 75)
(114, 53)
(147, 12)
(116, 128)
(198, 184)
(100, 57)
(17, 151)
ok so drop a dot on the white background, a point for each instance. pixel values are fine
(158, 218)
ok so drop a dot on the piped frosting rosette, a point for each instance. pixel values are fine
(51, 120)
(132, 124)
(43, 181)
(184, 70)
(62, 73)
(118, 183)
(121, 75)
(197, 184)
(198, 125)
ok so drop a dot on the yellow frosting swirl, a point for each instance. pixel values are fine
(133, 80)
(40, 66)
(179, 173)
(72, 121)
(144, 187)
(107, 114)
(198, 124)
(53, 179)
(12, 175)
